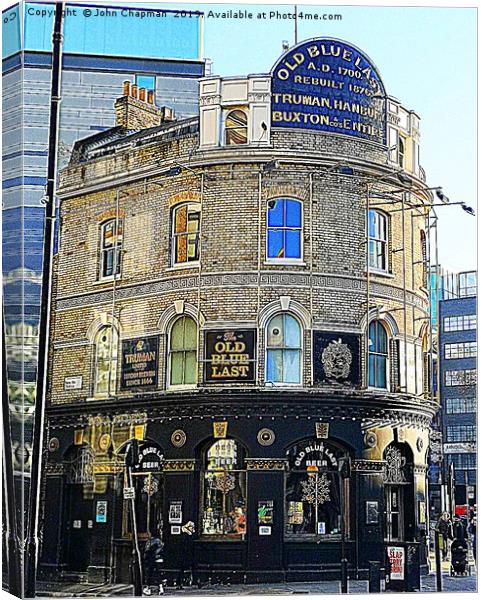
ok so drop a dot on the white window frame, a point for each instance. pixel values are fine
(302, 353)
(385, 242)
(181, 386)
(285, 261)
(188, 263)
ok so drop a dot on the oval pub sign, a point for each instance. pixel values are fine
(329, 85)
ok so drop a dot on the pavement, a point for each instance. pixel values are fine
(85, 590)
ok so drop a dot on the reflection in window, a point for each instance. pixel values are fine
(224, 491)
(284, 229)
(284, 350)
(467, 284)
(182, 352)
(111, 245)
(401, 151)
(186, 230)
(377, 240)
(236, 127)
(105, 370)
(378, 355)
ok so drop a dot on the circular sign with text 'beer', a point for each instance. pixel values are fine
(329, 85)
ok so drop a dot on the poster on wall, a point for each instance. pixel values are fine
(396, 562)
(139, 367)
(230, 356)
(265, 512)
(336, 358)
(101, 511)
(175, 512)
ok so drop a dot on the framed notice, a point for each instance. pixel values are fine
(372, 512)
(230, 356)
(175, 513)
(265, 512)
(139, 368)
(101, 511)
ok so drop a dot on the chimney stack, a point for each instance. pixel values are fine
(136, 109)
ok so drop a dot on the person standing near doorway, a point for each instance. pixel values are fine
(444, 527)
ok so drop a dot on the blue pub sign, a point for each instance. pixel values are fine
(329, 85)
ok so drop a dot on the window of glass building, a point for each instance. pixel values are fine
(105, 368)
(461, 323)
(236, 127)
(462, 461)
(186, 232)
(182, 352)
(460, 377)
(460, 350)
(111, 248)
(461, 433)
(284, 229)
(467, 284)
(284, 350)
(460, 405)
(378, 236)
(378, 356)
(224, 504)
(313, 488)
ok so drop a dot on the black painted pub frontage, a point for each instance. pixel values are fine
(274, 492)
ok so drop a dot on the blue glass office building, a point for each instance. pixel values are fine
(103, 47)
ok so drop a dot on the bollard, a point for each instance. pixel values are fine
(374, 576)
(438, 538)
(343, 576)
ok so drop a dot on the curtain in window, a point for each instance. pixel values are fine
(183, 344)
(224, 491)
(377, 240)
(284, 349)
(106, 348)
(378, 355)
(284, 232)
(236, 128)
(186, 233)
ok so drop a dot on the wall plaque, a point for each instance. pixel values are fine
(230, 356)
(336, 358)
(140, 363)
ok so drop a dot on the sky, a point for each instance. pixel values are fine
(427, 57)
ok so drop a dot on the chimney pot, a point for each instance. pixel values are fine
(134, 91)
(142, 94)
(126, 88)
(150, 96)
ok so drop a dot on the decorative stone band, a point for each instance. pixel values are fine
(183, 465)
(107, 468)
(54, 469)
(246, 279)
(420, 469)
(266, 464)
(367, 466)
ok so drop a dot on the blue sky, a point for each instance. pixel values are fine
(427, 59)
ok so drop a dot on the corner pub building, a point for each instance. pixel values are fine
(245, 294)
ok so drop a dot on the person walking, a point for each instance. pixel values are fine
(152, 559)
(445, 528)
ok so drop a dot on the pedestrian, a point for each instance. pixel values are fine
(152, 559)
(459, 529)
(472, 532)
(445, 528)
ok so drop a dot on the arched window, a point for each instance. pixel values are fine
(401, 148)
(111, 248)
(284, 229)
(186, 232)
(378, 236)
(316, 497)
(182, 352)
(105, 368)
(236, 127)
(284, 350)
(224, 504)
(378, 356)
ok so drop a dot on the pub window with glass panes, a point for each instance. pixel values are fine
(111, 248)
(105, 365)
(315, 495)
(284, 229)
(378, 356)
(224, 503)
(236, 128)
(183, 342)
(378, 240)
(186, 232)
(284, 350)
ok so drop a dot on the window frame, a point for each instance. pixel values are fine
(111, 389)
(226, 129)
(387, 356)
(174, 235)
(460, 405)
(284, 228)
(301, 350)
(379, 240)
(459, 323)
(460, 433)
(458, 350)
(117, 248)
(401, 151)
(451, 379)
(169, 353)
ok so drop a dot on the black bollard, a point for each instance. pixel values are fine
(374, 577)
(437, 553)
(343, 576)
